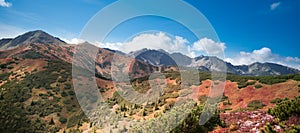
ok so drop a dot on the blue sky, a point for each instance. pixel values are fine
(250, 30)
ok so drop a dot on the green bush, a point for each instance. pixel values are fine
(272, 79)
(170, 95)
(276, 101)
(75, 120)
(297, 77)
(191, 123)
(202, 98)
(251, 83)
(227, 102)
(62, 80)
(3, 66)
(242, 80)
(228, 109)
(10, 67)
(31, 55)
(67, 101)
(64, 94)
(63, 120)
(67, 86)
(286, 108)
(14, 113)
(102, 90)
(4, 76)
(258, 86)
(71, 93)
(255, 104)
(51, 122)
(244, 84)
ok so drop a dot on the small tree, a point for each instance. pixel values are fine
(269, 128)
(63, 120)
(51, 122)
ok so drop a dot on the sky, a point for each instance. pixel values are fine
(248, 31)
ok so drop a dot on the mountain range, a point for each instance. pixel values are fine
(157, 58)
(210, 63)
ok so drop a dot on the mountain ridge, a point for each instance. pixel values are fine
(161, 57)
(212, 63)
(37, 36)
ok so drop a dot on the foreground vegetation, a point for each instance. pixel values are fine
(43, 100)
(287, 113)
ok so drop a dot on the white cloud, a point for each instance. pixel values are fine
(155, 41)
(293, 59)
(152, 41)
(263, 55)
(113, 46)
(170, 44)
(9, 31)
(5, 4)
(73, 41)
(209, 46)
(275, 5)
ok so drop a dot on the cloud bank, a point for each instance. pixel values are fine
(161, 40)
(170, 44)
(264, 55)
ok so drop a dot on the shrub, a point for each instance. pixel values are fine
(228, 109)
(271, 79)
(63, 120)
(286, 108)
(244, 84)
(170, 95)
(258, 86)
(276, 101)
(191, 123)
(31, 55)
(62, 80)
(251, 83)
(69, 108)
(227, 102)
(10, 67)
(51, 122)
(224, 98)
(3, 66)
(71, 93)
(67, 86)
(4, 76)
(67, 101)
(64, 94)
(102, 90)
(75, 120)
(202, 98)
(255, 104)
(297, 77)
